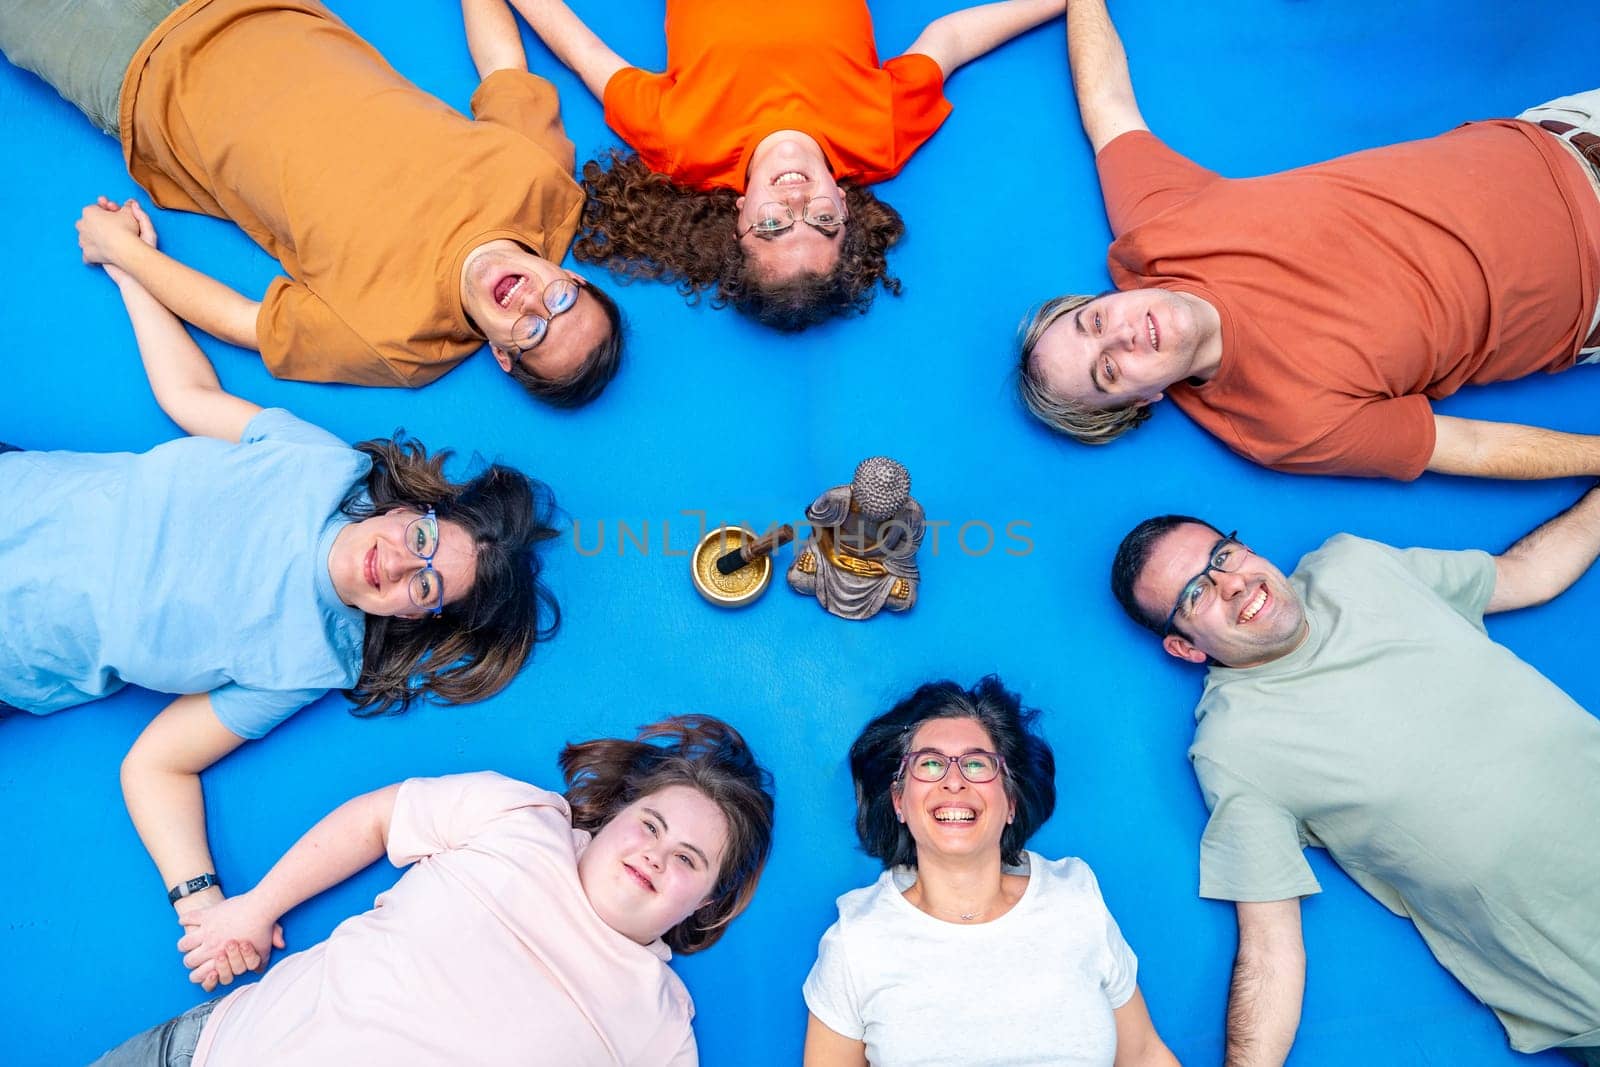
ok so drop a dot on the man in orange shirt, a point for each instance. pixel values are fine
(410, 234)
(1308, 318)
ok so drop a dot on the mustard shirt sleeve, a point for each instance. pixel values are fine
(529, 105)
(303, 339)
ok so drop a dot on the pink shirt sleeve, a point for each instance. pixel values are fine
(433, 815)
(1140, 177)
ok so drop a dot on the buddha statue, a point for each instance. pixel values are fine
(861, 555)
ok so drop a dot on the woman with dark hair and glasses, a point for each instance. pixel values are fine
(251, 568)
(753, 150)
(969, 949)
(531, 928)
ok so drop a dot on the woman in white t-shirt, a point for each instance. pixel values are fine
(969, 949)
(530, 927)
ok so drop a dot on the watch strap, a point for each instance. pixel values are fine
(192, 886)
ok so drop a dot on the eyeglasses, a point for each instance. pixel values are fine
(1226, 557)
(821, 213)
(426, 587)
(560, 295)
(931, 765)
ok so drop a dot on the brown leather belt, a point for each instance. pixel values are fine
(1588, 146)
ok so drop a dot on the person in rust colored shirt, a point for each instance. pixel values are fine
(768, 124)
(276, 115)
(1308, 318)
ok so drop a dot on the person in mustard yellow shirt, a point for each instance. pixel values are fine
(410, 234)
(767, 125)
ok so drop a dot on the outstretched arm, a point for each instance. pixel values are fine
(956, 39)
(1100, 76)
(109, 235)
(1269, 979)
(1486, 449)
(575, 44)
(161, 785)
(827, 1048)
(1547, 561)
(492, 36)
(351, 837)
(182, 378)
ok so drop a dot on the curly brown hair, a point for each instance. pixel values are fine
(639, 224)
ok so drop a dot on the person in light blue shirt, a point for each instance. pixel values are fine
(249, 569)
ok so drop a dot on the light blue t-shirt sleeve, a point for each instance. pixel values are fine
(252, 713)
(1463, 579)
(830, 994)
(1252, 849)
(277, 424)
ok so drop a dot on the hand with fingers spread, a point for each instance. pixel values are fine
(224, 940)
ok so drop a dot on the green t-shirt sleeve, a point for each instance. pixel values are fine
(1252, 849)
(1464, 580)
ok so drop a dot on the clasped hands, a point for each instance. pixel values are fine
(223, 940)
(104, 223)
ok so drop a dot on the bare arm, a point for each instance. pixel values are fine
(575, 44)
(161, 785)
(492, 36)
(351, 837)
(956, 39)
(826, 1047)
(1100, 76)
(1547, 561)
(1138, 1044)
(1269, 979)
(1507, 450)
(106, 239)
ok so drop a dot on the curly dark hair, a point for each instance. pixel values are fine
(478, 644)
(640, 224)
(701, 752)
(876, 756)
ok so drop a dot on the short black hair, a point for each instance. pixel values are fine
(876, 755)
(596, 372)
(1133, 555)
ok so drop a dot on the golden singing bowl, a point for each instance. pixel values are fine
(728, 590)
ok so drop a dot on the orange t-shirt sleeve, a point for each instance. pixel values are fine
(529, 105)
(302, 339)
(917, 99)
(1140, 177)
(1388, 437)
(632, 102)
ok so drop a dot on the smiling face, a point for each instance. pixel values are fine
(789, 168)
(1252, 616)
(1122, 349)
(372, 567)
(501, 282)
(655, 862)
(953, 819)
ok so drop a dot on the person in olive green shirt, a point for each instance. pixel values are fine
(1358, 705)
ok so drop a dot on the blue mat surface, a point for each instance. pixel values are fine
(1002, 209)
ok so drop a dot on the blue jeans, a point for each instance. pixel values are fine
(169, 1045)
(81, 47)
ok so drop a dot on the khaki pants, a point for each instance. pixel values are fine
(1581, 112)
(81, 47)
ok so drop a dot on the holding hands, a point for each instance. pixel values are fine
(105, 227)
(222, 941)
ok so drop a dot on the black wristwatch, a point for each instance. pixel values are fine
(192, 886)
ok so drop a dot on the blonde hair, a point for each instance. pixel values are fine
(1090, 425)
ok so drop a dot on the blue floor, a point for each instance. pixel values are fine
(1003, 209)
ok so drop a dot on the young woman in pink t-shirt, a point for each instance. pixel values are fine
(529, 927)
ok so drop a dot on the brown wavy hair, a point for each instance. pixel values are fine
(701, 752)
(478, 644)
(639, 224)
